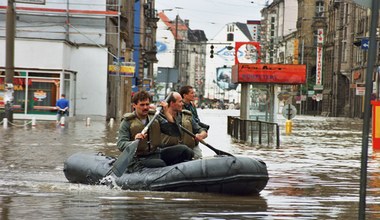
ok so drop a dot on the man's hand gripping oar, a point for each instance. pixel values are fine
(121, 164)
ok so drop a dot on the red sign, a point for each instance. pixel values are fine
(269, 73)
(247, 52)
(319, 65)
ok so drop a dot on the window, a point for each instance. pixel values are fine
(344, 52)
(230, 28)
(230, 37)
(319, 9)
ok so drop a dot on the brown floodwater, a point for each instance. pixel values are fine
(315, 174)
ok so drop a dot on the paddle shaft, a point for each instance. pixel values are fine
(217, 151)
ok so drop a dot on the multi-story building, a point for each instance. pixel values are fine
(96, 52)
(196, 50)
(59, 48)
(220, 58)
(278, 20)
(344, 78)
(280, 46)
(339, 31)
(183, 49)
(254, 27)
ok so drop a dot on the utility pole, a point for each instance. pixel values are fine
(9, 60)
(176, 56)
(367, 107)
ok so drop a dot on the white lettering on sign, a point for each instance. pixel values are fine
(319, 65)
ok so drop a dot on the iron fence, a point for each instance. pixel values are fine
(254, 132)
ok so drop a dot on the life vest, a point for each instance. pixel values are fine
(184, 138)
(137, 126)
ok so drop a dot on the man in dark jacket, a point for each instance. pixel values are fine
(188, 97)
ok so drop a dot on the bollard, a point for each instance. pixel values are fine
(288, 126)
(62, 122)
(111, 122)
(88, 121)
(33, 122)
(5, 122)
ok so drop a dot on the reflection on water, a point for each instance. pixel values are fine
(314, 175)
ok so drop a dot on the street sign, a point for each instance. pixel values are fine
(365, 44)
(318, 87)
(167, 75)
(289, 111)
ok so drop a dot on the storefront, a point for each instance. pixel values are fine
(36, 92)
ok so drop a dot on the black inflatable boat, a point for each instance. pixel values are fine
(219, 174)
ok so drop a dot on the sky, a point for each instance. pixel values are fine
(212, 15)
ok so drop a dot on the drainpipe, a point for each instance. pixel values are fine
(340, 36)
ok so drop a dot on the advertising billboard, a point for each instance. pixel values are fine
(223, 78)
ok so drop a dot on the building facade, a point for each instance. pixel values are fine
(59, 48)
(331, 38)
(220, 57)
(97, 52)
(182, 49)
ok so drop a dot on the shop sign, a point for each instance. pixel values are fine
(122, 70)
(269, 73)
(319, 65)
(360, 89)
(39, 95)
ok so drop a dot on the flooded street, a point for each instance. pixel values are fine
(314, 175)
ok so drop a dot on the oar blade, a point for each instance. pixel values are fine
(125, 158)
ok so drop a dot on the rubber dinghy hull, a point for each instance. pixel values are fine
(219, 174)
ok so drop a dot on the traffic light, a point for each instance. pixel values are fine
(145, 63)
(212, 51)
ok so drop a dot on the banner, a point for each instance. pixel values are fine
(318, 77)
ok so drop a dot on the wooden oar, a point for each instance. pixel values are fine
(217, 151)
(125, 158)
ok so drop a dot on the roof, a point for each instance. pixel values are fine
(196, 35)
(172, 24)
(244, 29)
